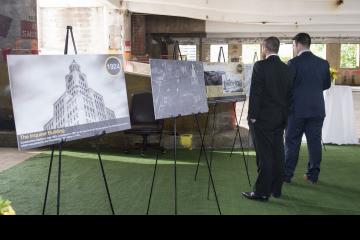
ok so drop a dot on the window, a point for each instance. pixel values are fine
(249, 51)
(349, 56)
(318, 50)
(188, 52)
(214, 52)
(286, 52)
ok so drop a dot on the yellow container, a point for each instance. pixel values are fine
(186, 140)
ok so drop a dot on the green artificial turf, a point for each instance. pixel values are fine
(129, 178)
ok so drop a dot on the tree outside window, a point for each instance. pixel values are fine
(349, 55)
(286, 52)
(319, 50)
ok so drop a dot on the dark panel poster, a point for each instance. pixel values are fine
(178, 88)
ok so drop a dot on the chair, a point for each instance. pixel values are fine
(142, 118)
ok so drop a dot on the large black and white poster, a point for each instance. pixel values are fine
(225, 81)
(178, 88)
(64, 98)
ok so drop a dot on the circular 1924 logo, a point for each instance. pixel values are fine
(113, 65)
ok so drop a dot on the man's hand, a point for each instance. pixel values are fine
(252, 120)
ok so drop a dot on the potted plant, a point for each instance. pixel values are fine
(5, 207)
(333, 75)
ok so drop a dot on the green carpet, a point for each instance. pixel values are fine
(129, 179)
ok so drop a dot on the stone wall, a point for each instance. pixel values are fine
(18, 31)
(18, 35)
(8, 139)
(88, 29)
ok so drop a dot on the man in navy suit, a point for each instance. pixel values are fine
(307, 111)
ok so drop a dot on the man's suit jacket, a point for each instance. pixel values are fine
(312, 77)
(270, 90)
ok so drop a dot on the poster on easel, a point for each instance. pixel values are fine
(178, 88)
(248, 69)
(224, 81)
(67, 97)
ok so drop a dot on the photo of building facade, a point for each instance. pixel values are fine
(79, 104)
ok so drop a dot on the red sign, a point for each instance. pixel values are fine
(5, 52)
(28, 30)
(127, 46)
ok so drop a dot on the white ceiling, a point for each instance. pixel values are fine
(78, 3)
(235, 18)
(247, 18)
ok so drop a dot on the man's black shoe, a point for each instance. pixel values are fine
(307, 179)
(253, 196)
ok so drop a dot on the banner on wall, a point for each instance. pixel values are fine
(65, 98)
(28, 30)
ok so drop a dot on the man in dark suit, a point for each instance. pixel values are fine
(312, 77)
(269, 102)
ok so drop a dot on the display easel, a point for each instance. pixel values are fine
(221, 56)
(60, 146)
(323, 144)
(177, 51)
(255, 58)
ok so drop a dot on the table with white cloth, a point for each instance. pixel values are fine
(339, 124)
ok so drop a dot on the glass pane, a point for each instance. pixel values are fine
(214, 52)
(286, 52)
(249, 51)
(188, 52)
(349, 56)
(319, 50)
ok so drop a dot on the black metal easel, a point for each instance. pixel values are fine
(241, 144)
(177, 50)
(255, 58)
(221, 55)
(69, 29)
(60, 145)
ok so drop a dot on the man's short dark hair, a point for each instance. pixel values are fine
(303, 38)
(272, 44)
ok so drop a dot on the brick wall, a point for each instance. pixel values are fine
(206, 52)
(12, 15)
(18, 35)
(8, 139)
(235, 52)
(138, 33)
(88, 27)
(169, 24)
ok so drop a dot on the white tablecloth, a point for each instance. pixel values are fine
(339, 124)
